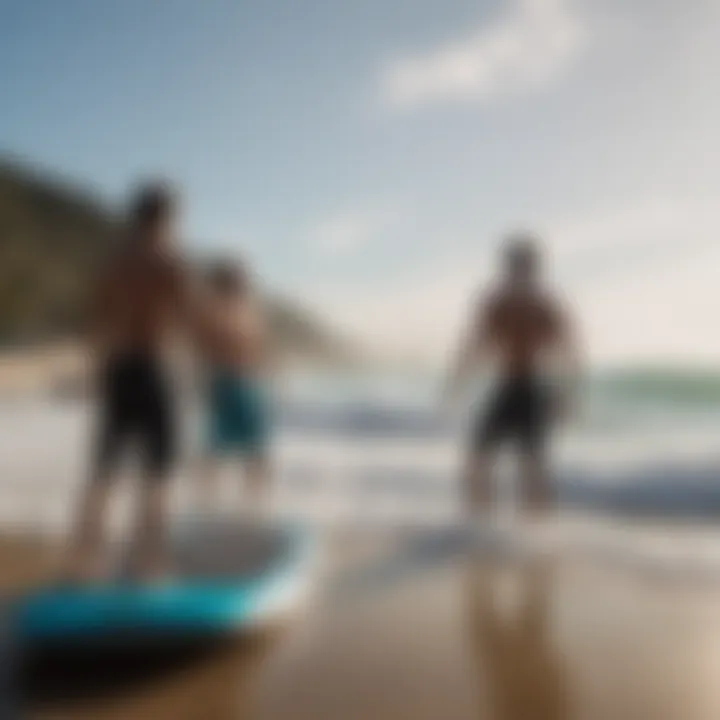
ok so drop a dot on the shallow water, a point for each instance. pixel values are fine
(377, 451)
(456, 638)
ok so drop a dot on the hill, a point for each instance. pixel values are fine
(54, 235)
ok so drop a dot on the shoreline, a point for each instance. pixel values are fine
(565, 643)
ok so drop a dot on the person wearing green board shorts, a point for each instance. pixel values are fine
(235, 351)
(525, 329)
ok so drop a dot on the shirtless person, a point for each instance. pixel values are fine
(523, 327)
(234, 346)
(139, 298)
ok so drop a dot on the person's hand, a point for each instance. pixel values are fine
(565, 406)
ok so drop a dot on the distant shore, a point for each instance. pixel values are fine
(60, 369)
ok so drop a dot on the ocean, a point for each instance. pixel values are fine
(642, 441)
(378, 447)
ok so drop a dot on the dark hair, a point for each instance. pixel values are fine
(151, 204)
(227, 278)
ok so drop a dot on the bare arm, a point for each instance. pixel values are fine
(473, 349)
(569, 360)
(267, 355)
(99, 314)
(193, 313)
(185, 293)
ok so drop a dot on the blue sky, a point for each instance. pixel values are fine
(367, 155)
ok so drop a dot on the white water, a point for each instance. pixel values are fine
(392, 462)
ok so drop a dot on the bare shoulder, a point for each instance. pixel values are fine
(251, 315)
(554, 309)
(553, 303)
(170, 269)
(488, 301)
(171, 263)
(113, 269)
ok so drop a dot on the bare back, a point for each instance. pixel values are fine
(520, 328)
(139, 300)
(234, 335)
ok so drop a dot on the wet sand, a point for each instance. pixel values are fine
(453, 638)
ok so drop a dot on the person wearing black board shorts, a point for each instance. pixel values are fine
(523, 326)
(140, 300)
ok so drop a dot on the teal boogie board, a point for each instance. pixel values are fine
(227, 576)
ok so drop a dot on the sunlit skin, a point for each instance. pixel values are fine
(231, 334)
(522, 328)
(139, 301)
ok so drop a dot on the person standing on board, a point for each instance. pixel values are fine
(140, 299)
(234, 347)
(524, 328)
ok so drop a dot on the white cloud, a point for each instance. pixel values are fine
(529, 48)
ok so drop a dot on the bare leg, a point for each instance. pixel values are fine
(84, 561)
(207, 485)
(148, 560)
(477, 483)
(257, 478)
(538, 494)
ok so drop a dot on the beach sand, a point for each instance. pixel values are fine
(30, 371)
(461, 637)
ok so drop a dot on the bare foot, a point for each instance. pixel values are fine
(82, 568)
(149, 569)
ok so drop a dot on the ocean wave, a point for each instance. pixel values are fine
(672, 386)
(403, 453)
(366, 420)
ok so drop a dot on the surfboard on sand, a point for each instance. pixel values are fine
(227, 576)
